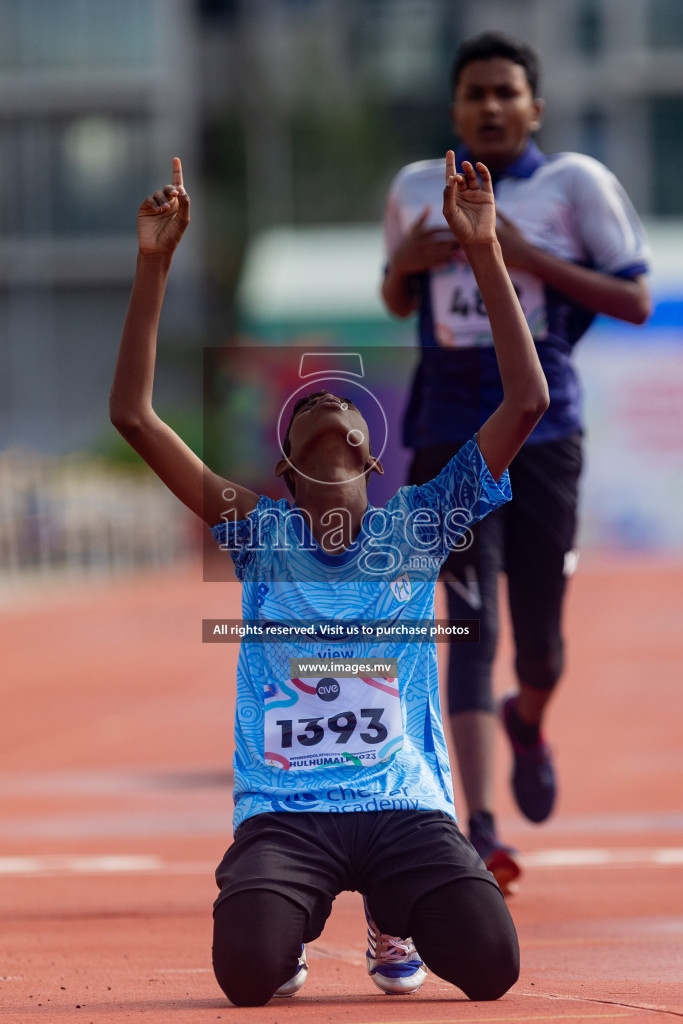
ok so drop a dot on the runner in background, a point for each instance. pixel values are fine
(574, 247)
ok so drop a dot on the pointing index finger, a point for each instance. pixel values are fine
(450, 166)
(177, 173)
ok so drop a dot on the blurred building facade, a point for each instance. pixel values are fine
(286, 113)
(290, 111)
(95, 98)
(613, 82)
(612, 79)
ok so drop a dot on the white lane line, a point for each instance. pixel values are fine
(502, 1020)
(108, 864)
(50, 865)
(603, 857)
(184, 970)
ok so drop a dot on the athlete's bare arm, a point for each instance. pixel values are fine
(469, 209)
(621, 297)
(162, 220)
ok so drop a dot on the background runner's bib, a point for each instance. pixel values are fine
(460, 319)
(331, 723)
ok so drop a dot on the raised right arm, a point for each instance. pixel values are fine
(162, 220)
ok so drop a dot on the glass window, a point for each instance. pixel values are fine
(73, 35)
(666, 23)
(667, 154)
(589, 27)
(102, 165)
(592, 128)
(407, 45)
(70, 176)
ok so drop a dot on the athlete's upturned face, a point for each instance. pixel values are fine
(494, 111)
(328, 414)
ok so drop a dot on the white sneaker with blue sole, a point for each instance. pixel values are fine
(393, 963)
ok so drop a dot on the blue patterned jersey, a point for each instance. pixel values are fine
(337, 689)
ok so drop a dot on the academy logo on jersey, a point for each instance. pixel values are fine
(402, 588)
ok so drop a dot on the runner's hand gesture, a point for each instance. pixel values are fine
(468, 206)
(163, 217)
(423, 248)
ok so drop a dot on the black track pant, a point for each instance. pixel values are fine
(420, 875)
(462, 931)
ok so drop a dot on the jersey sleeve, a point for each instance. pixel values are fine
(241, 537)
(393, 232)
(462, 494)
(612, 233)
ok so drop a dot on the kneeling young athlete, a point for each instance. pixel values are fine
(368, 741)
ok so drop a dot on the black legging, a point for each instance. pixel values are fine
(463, 931)
(528, 539)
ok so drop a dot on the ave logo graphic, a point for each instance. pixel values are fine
(328, 689)
(402, 588)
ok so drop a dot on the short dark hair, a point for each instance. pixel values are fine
(495, 44)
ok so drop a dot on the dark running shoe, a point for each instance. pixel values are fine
(533, 776)
(501, 860)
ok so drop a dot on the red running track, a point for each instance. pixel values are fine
(116, 808)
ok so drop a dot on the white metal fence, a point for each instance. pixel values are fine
(79, 514)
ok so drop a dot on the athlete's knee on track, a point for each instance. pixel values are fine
(243, 973)
(245, 990)
(251, 956)
(483, 971)
(495, 973)
(465, 934)
(242, 976)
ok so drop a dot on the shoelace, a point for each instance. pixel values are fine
(393, 948)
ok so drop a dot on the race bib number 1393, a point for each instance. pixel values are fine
(331, 723)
